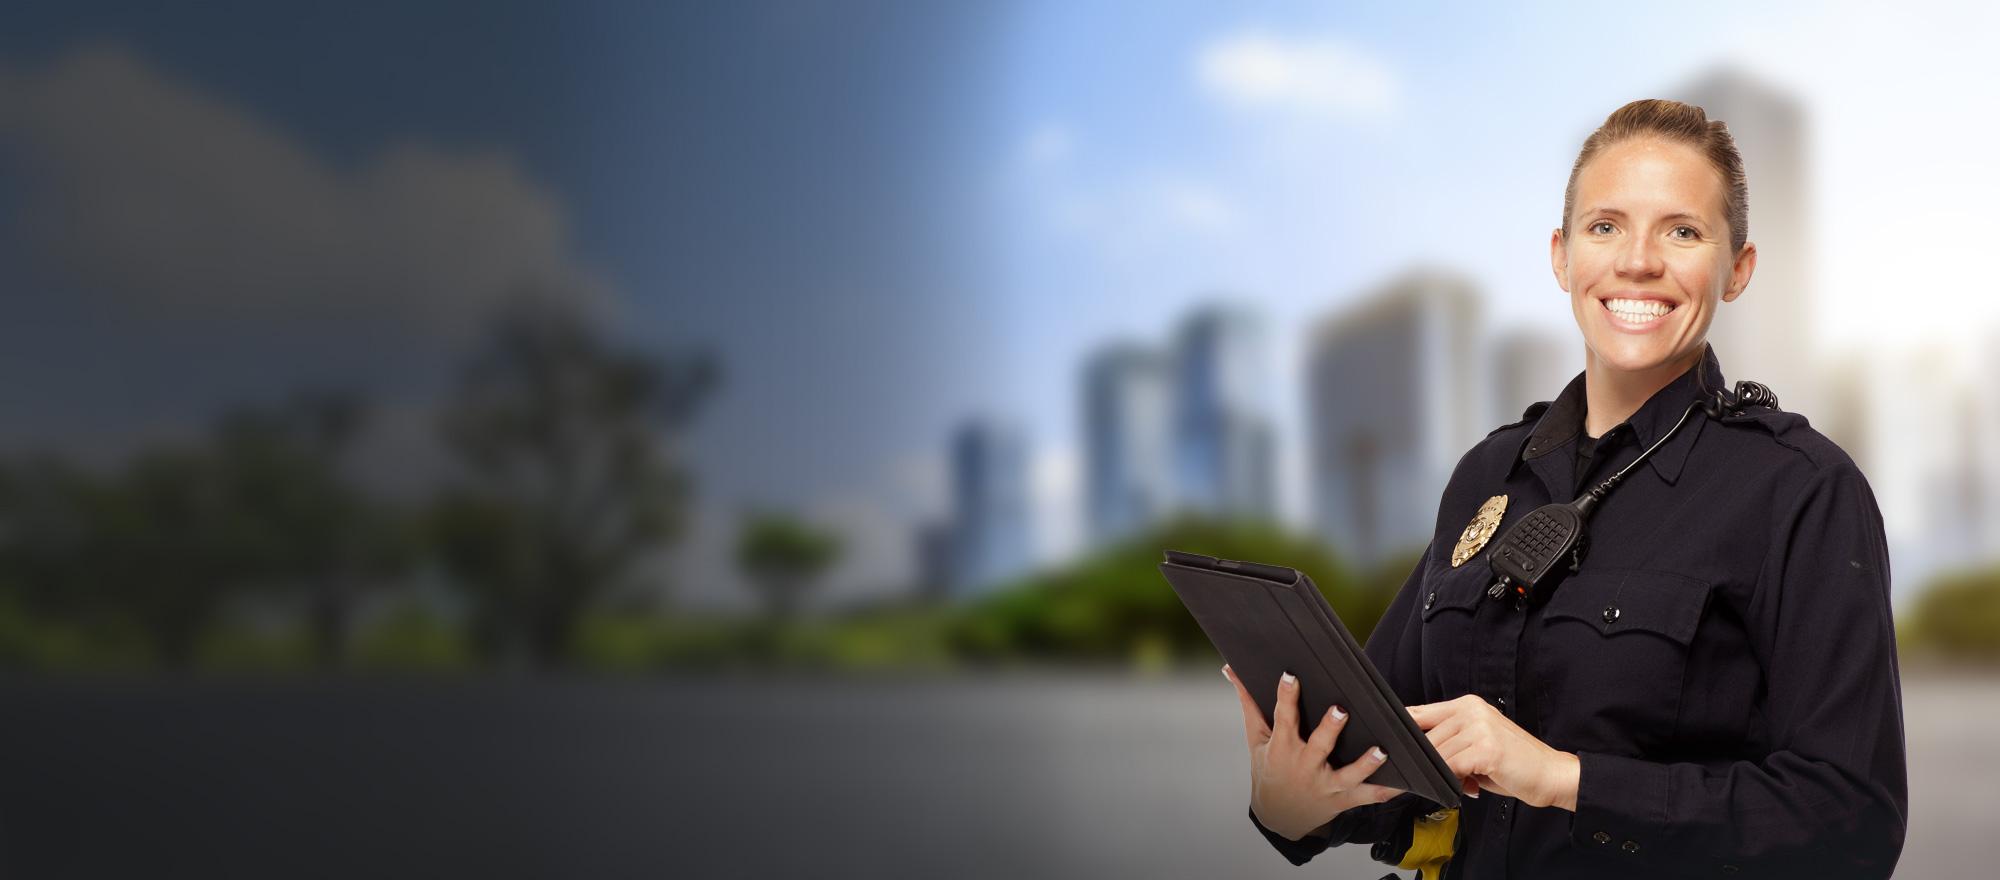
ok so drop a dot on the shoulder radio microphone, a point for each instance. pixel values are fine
(1558, 533)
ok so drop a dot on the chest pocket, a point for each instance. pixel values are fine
(1612, 657)
(1452, 602)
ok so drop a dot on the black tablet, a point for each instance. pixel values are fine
(1267, 620)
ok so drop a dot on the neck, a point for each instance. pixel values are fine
(1612, 395)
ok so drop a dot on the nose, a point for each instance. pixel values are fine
(1640, 257)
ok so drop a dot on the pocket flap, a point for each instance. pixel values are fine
(1461, 588)
(1624, 599)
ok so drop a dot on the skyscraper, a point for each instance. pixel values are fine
(989, 489)
(1127, 449)
(1224, 456)
(1394, 398)
(1766, 334)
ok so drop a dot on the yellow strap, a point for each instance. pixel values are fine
(1431, 842)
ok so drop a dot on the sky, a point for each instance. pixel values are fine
(882, 217)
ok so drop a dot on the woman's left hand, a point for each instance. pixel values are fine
(1489, 751)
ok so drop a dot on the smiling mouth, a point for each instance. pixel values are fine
(1637, 312)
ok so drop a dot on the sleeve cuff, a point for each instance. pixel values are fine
(1387, 826)
(1298, 852)
(1620, 807)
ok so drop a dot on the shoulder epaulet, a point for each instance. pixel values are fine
(1533, 412)
(1771, 419)
(1790, 430)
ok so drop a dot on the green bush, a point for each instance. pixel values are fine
(412, 638)
(45, 642)
(1116, 606)
(1957, 618)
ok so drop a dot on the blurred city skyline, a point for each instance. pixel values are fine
(1401, 380)
(1286, 166)
(888, 218)
(473, 433)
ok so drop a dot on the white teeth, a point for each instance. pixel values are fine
(1637, 310)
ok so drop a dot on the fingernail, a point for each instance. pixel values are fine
(1225, 670)
(1376, 754)
(1335, 711)
(1288, 679)
(1473, 795)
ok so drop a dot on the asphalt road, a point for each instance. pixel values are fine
(997, 776)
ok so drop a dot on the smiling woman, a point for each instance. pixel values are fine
(1655, 235)
(1708, 684)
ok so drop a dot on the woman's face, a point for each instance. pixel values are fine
(1647, 258)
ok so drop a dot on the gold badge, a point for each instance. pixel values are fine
(1476, 532)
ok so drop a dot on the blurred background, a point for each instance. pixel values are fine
(737, 439)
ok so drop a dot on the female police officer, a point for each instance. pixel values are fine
(1713, 689)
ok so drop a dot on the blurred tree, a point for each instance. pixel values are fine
(174, 536)
(568, 486)
(285, 466)
(1114, 605)
(162, 542)
(783, 556)
(56, 530)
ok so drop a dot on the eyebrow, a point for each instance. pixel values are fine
(1677, 215)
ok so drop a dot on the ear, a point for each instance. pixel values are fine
(1559, 258)
(1740, 269)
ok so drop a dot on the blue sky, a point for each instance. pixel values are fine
(884, 217)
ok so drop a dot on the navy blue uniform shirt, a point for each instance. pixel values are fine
(1723, 663)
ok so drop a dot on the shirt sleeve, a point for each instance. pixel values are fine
(1395, 650)
(1830, 799)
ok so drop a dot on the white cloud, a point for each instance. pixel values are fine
(157, 196)
(1309, 76)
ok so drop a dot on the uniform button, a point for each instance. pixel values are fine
(1433, 597)
(1601, 837)
(1610, 613)
(1631, 846)
(1502, 701)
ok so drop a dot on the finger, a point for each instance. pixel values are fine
(1451, 747)
(1285, 718)
(1358, 770)
(1443, 730)
(1464, 763)
(1323, 735)
(1487, 783)
(1255, 730)
(1429, 715)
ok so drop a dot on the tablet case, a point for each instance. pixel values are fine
(1269, 619)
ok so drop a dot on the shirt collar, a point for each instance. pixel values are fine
(1562, 421)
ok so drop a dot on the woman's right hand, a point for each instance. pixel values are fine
(1292, 790)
